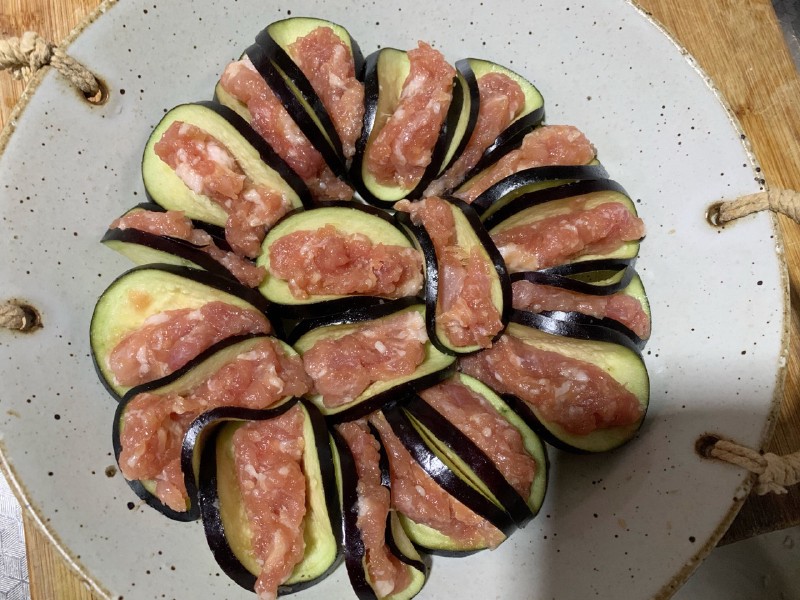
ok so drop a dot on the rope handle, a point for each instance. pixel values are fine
(784, 201)
(26, 55)
(774, 473)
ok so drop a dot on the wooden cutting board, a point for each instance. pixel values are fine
(737, 42)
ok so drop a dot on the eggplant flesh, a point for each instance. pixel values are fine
(385, 72)
(605, 348)
(435, 366)
(348, 218)
(147, 290)
(396, 539)
(255, 157)
(225, 519)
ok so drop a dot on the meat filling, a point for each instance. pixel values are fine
(269, 465)
(342, 368)
(174, 224)
(208, 168)
(328, 261)
(155, 424)
(576, 395)
(403, 148)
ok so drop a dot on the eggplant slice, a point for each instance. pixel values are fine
(470, 234)
(396, 539)
(143, 247)
(530, 117)
(148, 290)
(255, 157)
(385, 72)
(224, 516)
(559, 201)
(531, 180)
(451, 481)
(633, 289)
(456, 447)
(434, 367)
(601, 347)
(182, 382)
(314, 120)
(348, 218)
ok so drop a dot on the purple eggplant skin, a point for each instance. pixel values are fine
(510, 138)
(577, 330)
(446, 133)
(209, 500)
(543, 196)
(443, 475)
(458, 443)
(354, 548)
(181, 249)
(432, 279)
(269, 71)
(590, 321)
(536, 175)
(562, 276)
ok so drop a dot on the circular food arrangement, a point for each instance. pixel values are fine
(368, 292)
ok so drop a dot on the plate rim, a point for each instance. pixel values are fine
(669, 588)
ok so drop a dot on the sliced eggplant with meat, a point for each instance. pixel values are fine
(243, 88)
(269, 500)
(319, 62)
(148, 234)
(413, 106)
(153, 319)
(471, 426)
(626, 310)
(363, 359)
(505, 105)
(599, 277)
(205, 160)
(546, 146)
(583, 388)
(381, 561)
(440, 509)
(467, 290)
(584, 220)
(531, 180)
(152, 419)
(336, 257)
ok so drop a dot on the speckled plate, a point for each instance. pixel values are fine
(638, 520)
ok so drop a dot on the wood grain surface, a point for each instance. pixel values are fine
(737, 42)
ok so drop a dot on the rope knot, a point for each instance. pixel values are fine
(774, 472)
(25, 55)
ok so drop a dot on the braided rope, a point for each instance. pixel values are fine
(774, 472)
(782, 201)
(25, 55)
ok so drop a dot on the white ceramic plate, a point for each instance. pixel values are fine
(629, 524)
